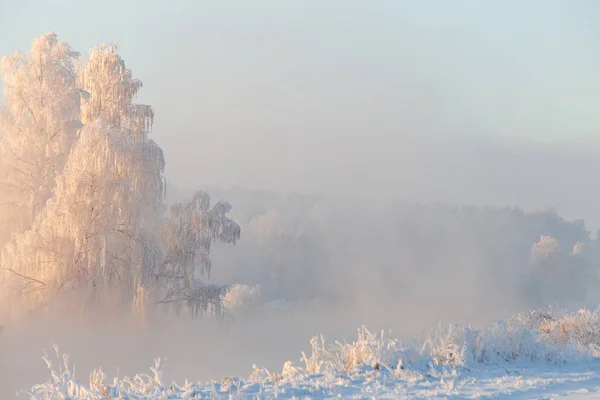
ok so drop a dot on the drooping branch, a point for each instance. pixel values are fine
(29, 278)
(200, 298)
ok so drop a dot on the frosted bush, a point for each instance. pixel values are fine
(544, 249)
(550, 336)
(500, 342)
(561, 326)
(370, 350)
(242, 297)
(540, 336)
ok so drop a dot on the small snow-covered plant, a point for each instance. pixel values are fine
(583, 327)
(546, 336)
(241, 297)
(375, 351)
(320, 358)
(63, 385)
(496, 343)
(367, 349)
(544, 249)
(289, 371)
(446, 347)
(561, 326)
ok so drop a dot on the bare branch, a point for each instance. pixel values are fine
(26, 277)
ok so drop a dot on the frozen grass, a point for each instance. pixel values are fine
(372, 365)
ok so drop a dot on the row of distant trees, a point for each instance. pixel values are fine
(82, 213)
(305, 247)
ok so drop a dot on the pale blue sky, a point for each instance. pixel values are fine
(532, 67)
(246, 92)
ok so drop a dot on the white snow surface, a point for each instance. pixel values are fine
(581, 380)
(542, 354)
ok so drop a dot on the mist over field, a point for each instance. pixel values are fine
(286, 171)
(329, 267)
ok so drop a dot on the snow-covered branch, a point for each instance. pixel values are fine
(82, 189)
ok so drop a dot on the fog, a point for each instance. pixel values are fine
(427, 168)
(328, 265)
(390, 166)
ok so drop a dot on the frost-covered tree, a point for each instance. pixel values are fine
(545, 249)
(111, 89)
(578, 248)
(101, 232)
(95, 232)
(188, 233)
(38, 126)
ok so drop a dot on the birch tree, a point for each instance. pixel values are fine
(111, 89)
(37, 128)
(187, 236)
(101, 233)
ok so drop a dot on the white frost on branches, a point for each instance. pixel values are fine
(37, 128)
(111, 89)
(188, 233)
(84, 213)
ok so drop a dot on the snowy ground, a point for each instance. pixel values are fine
(578, 381)
(541, 354)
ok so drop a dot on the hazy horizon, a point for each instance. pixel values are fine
(345, 98)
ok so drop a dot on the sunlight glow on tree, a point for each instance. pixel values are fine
(82, 193)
